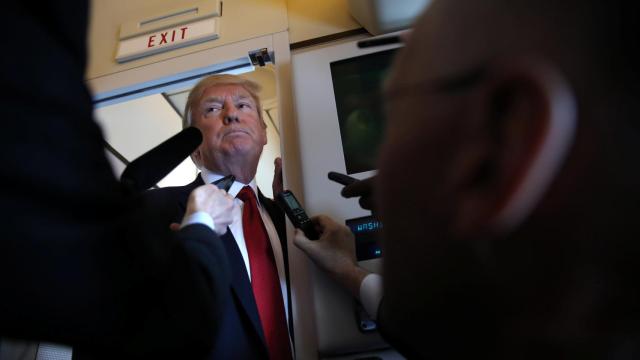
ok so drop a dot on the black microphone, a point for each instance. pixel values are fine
(148, 169)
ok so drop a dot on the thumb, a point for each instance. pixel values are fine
(174, 226)
(301, 241)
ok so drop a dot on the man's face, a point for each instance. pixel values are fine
(228, 117)
(425, 136)
(423, 129)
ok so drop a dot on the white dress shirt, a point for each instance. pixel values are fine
(371, 294)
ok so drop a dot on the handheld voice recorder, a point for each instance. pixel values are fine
(296, 214)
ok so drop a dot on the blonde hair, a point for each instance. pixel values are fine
(219, 80)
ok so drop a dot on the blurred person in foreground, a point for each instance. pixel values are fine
(507, 185)
(80, 263)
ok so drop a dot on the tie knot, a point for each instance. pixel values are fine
(247, 194)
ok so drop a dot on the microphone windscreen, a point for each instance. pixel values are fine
(152, 166)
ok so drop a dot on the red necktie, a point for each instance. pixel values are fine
(264, 278)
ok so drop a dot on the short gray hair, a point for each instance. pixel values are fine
(219, 80)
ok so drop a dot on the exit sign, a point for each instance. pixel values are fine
(167, 39)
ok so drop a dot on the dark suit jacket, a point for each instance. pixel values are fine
(78, 263)
(241, 335)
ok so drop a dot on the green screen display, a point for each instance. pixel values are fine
(356, 85)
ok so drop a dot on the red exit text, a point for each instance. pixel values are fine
(167, 37)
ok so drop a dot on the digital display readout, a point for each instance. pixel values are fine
(372, 225)
(291, 201)
(366, 231)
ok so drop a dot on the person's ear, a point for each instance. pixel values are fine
(525, 114)
(264, 133)
(196, 157)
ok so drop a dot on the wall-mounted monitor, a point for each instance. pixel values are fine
(356, 85)
(340, 119)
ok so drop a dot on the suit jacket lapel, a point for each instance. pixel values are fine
(240, 284)
(278, 217)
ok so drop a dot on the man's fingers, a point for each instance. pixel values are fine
(322, 222)
(366, 203)
(277, 185)
(358, 188)
(362, 189)
(221, 230)
(301, 241)
(174, 226)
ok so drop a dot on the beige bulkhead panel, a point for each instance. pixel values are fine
(239, 20)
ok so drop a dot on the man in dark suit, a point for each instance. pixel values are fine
(78, 262)
(227, 110)
(508, 185)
